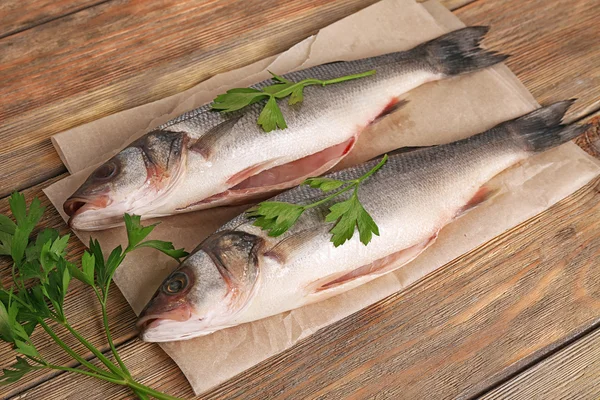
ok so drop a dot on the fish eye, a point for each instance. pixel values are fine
(106, 171)
(176, 283)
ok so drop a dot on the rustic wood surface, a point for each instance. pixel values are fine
(571, 373)
(482, 319)
(468, 326)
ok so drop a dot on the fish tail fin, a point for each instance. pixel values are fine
(458, 52)
(542, 129)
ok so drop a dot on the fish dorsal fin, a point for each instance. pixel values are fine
(205, 146)
(285, 248)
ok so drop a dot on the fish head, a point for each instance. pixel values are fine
(207, 291)
(133, 181)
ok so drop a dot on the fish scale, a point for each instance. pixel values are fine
(226, 158)
(411, 198)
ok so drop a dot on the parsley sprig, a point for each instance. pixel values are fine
(277, 217)
(271, 116)
(41, 275)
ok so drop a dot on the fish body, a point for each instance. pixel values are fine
(204, 159)
(240, 274)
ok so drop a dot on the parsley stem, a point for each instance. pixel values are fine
(108, 334)
(82, 372)
(112, 367)
(313, 81)
(348, 77)
(147, 390)
(70, 351)
(352, 185)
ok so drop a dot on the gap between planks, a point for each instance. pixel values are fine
(128, 340)
(577, 365)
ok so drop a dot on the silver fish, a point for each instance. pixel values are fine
(240, 274)
(204, 159)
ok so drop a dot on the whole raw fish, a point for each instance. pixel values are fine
(204, 158)
(240, 274)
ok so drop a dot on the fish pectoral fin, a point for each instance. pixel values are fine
(394, 105)
(376, 268)
(483, 194)
(205, 145)
(284, 249)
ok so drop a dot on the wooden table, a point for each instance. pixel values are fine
(516, 318)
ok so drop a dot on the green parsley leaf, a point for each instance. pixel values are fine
(165, 247)
(100, 269)
(297, 96)
(279, 78)
(7, 225)
(57, 284)
(277, 217)
(6, 330)
(34, 250)
(5, 244)
(276, 88)
(26, 349)
(30, 270)
(26, 221)
(347, 215)
(236, 99)
(135, 231)
(36, 299)
(270, 117)
(18, 207)
(113, 261)
(325, 184)
(19, 243)
(15, 371)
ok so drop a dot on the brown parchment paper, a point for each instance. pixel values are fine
(436, 113)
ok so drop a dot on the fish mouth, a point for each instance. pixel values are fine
(146, 324)
(179, 314)
(78, 204)
(75, 207)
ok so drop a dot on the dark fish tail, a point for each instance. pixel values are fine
(458, 52)
(542, 129)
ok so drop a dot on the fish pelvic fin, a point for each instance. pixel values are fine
(484, 194)
(541, 129)
(458, 52)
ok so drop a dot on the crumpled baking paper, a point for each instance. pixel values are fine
(438, 112)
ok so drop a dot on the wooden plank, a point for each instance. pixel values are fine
(468, 326)
(571, 373)
(125, 58)
(554, 50)
(156, 351)
(451, 4)
(79, 303)
(120, 313)
(124, 53)
(19, 15)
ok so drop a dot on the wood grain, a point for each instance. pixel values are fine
(466, 327)
(124, 53)
(554, 46)
(19, 15)
(571, 373)
(120, 54)
(543, 297)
